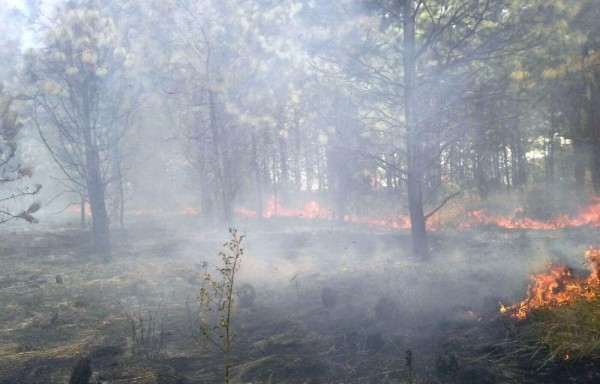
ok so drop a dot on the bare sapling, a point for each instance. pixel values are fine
(147, 333)
(217, 295)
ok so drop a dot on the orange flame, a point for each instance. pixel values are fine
(245, 212)
(557, 287)
(313, 210)
(190, 211)
(402, 222)
(589, 215)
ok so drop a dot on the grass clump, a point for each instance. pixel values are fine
(560, 317)
(570, 333)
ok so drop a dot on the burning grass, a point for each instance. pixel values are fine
(453, 216)
(587, 216)
(558, 287)
(570, 333)
(313, 210)
(561, 313)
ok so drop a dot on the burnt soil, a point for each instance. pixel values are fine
(334, 304)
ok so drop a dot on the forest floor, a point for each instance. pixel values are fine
(58, 302)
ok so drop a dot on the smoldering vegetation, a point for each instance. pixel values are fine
(402, 171)
(328, 303)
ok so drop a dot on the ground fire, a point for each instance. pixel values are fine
(558, 287)
(313, 210)
(588, 216)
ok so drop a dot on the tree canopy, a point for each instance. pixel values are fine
(396, 105)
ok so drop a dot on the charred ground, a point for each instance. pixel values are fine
(60, 302)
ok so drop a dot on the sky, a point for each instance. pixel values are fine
(12, 3)
(7, 5)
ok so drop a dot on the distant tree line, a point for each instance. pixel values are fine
(406, 102)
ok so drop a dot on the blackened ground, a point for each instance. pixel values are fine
(333, 303)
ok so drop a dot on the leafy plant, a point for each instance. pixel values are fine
(10, 169)
(217, 295)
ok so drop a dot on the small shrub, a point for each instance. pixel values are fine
(146, 328)
(217, 295)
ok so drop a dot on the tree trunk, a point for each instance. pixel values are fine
(117, 176)
(520, 178)
(100, 223)
(506, 166)
(339, 180)
(594, 128)
(389, 174)
(96, 194)
(521, 157)
(94, 181)
(595, 161)
(283, 164)
(579, 158)
(206, 202)
(82, 222)
(297, 145)
(321, 184)
(420, 245)
(551, 148)
(480, 171)
(220, 171)
(257, 178)
(496, 161)
(275, 180)
(481, 161)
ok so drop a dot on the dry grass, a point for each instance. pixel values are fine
(286, 336)
(567, 333)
